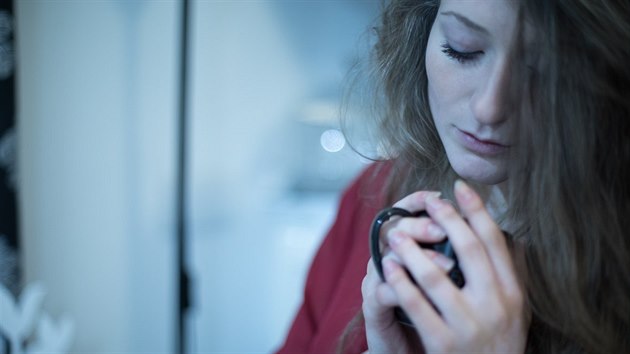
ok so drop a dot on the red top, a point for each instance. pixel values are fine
(332, 296)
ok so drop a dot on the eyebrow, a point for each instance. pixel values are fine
(467, 22)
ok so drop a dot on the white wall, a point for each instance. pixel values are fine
(96, 151)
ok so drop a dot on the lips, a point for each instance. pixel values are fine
(485, 147)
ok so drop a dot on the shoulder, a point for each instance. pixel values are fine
(332, 293)
(359, 203)
(368, 189)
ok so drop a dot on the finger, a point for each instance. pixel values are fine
(371, 273)
(373, 309)
(443, 262)
(487, 231)
(421, 229)
(412, 203)
(386, 296)
(471, 253)
(429, 269)
(371, 270)
(410, 298)
(415, 201)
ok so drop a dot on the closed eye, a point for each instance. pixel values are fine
(462, 57)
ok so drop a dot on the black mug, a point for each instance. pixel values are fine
(443, 247)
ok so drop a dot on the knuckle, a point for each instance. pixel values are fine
(446, 212)
(491, 241)
(471, 246)
(486, 227)
(474, 203)
(491, 233)
(430, 278)
(412, 302)
(394, 278)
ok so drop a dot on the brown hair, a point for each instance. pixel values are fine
(570, 180)
(575, 195)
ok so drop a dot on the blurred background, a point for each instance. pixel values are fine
(97, 110)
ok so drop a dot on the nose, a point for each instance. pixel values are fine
(488, 101)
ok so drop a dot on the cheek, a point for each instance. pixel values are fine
(431, 85)
(438, 80)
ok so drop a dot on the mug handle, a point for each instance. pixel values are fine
(375, 248)
(375, 232)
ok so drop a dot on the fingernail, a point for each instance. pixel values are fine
(434, 202)
(463, 190)
(442, 261)
(435, 231)
(434, 194)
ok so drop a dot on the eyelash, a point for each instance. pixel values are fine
(462, 57)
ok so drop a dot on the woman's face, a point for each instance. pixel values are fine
(467, 63)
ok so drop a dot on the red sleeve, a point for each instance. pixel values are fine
(331, 264)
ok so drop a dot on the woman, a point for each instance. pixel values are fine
(527, 102)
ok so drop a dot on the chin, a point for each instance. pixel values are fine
(480, 171)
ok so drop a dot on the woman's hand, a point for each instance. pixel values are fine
(384, 332)
(486, 315)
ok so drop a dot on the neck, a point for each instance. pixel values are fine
(495, 197)
(497, 200)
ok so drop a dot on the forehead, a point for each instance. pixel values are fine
(493, 18)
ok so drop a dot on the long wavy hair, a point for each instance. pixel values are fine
(569, 180)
